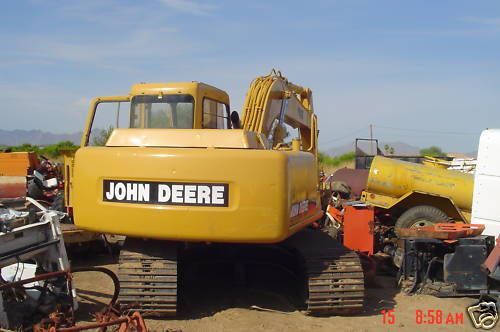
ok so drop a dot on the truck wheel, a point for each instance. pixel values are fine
(422, 215)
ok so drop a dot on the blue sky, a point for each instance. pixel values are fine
(423, 72)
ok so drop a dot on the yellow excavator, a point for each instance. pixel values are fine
(180, 172)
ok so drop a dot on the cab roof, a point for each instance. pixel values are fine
(196, 89)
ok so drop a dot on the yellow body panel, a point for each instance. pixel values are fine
(260, 201)
(391, 181)
(436, 162)
(185, 138)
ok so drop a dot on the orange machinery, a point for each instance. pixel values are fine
(358, 226)
(14, 167)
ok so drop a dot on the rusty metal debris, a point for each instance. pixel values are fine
(34, 269)
(63, 311)
(62, 319)
(36, 280)
(443, 231)
(108, 317)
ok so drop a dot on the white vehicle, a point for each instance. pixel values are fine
(486, 197)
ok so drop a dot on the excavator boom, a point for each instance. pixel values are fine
(273, 101)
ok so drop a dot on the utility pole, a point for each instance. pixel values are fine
(371, 139)
(118, 116)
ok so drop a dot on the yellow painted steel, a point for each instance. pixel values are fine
(268, 96)
(259, 201)
(188, 138)
(73, 235)
(391, 181)
(266, 184)
(436, 162)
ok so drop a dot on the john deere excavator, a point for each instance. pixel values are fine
(180, 172)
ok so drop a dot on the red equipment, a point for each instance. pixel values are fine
(358, 226)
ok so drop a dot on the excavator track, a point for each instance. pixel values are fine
(335, 283)
(147, 272)
(333, 274)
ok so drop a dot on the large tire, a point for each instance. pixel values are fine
(421, 215)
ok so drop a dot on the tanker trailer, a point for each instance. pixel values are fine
(418, 195)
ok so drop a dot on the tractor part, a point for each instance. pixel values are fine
(442, 231)
(444, 267)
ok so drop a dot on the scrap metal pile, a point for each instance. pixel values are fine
(418, 219)
(445, 260)
(36, 288)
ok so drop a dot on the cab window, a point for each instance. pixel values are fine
(215, 114)
(162, 111)
(108, 116)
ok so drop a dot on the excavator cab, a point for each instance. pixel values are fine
(191, 105)
(162, 111)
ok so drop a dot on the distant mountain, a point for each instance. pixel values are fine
(38, 137)
(400, 148)
(472, 154)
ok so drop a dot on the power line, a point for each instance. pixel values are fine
(408, 132)
(434, 132)
(338, 138)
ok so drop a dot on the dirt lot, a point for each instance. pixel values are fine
(224, 306)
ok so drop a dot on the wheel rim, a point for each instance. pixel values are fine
(421, 223)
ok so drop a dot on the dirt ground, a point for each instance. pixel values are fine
(225, 306)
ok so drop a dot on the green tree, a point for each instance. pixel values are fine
(325, 159)
(322, 157)
(433, 151)
(388, 149)
(26, 147)
(55, 150)
(102, 136)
